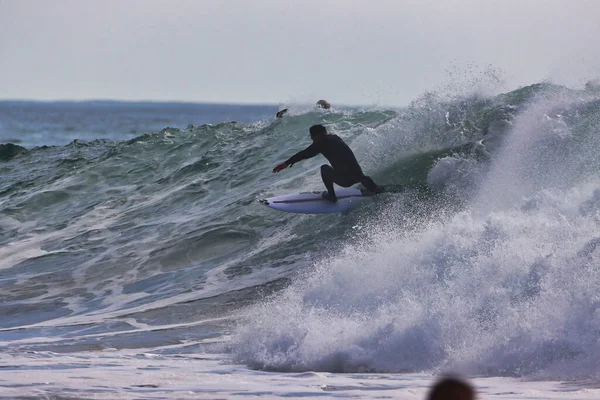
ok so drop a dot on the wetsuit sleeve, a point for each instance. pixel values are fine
(309, 152)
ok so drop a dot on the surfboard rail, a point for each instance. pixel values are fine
(314, 203)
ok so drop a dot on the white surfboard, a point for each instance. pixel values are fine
(313, 203)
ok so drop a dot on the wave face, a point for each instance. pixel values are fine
(487, 263)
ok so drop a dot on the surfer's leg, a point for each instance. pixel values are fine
(349, 180)
(370, 185)
(327, 175)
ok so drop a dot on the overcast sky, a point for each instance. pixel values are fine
(281, 51)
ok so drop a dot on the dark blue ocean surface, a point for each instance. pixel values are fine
(31, 123)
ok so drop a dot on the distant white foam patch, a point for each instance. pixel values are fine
(30, 247)
(16, 252)
(511, 293)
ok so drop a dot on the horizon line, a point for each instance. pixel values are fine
(199, 102)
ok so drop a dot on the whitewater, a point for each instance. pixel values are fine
(136, 261)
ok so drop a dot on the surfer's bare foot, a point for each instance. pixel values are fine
(329, 197)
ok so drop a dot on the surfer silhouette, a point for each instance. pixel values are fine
(344, 169)
(324, 104)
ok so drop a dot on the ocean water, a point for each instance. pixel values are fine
(137, 263)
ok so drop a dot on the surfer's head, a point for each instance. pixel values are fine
(324, 104)
(317, 132)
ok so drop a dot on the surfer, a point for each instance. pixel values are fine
(324, 104)
(344, 169)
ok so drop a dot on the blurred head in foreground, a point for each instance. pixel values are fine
(451, 388)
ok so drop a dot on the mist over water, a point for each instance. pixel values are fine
(487, 263)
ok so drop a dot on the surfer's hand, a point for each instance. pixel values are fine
(281, 166)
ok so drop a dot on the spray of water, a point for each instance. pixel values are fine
(507, 285)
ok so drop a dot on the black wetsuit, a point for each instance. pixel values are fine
(344, 169)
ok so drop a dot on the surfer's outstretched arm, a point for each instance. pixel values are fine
(309, 152)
